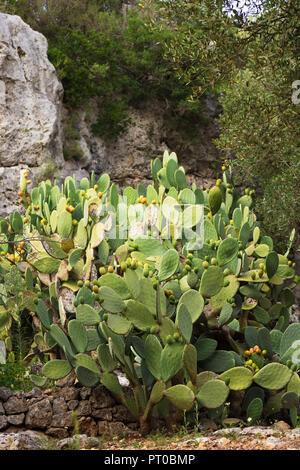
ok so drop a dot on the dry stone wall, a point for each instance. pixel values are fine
(50, 411)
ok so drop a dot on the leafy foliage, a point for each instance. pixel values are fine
(250, 57)
(101, 53)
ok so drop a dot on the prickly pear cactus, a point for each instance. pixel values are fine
(152, 281)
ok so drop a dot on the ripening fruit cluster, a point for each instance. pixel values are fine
(142, 200)
(255, 349)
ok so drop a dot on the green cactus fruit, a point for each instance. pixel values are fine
(86, 376)
(171, 360)
(180, 396)
(215, 199)
(153, 351)
(56, 369)
(273, 376)
(254, 410)
(78, 335)
(87, 315)
(213, 394)
(240, 378)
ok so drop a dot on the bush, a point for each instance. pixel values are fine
(189, 317)
(118, 60)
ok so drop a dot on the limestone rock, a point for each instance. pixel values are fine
(26, 440)
(15, 405)
(39, 415)
(5, 393)
(30, 107)
(81, 440)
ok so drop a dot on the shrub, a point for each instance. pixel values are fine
(189, 315)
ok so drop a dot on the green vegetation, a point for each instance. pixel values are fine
(101, 53)
(250, 56)
(189, 316)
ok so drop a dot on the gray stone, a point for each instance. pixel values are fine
(16, 420)
(34, 393)
(5, 393)
(58, 433)
(59, 405)
(30, 106)
(121, 413)
(85, 392)
(104, 415)
(81, 440)
(67, 381)
(113, 429)
(15, 405)
(39, 415)
(101, 398)
(68, 393)
(62, 420)
(21, 441)
(87, 425)
(72, 404)
(3, 422)
(84, 408)
(2, 412)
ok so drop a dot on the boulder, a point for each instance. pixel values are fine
(30, 109)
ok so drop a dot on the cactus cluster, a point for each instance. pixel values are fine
(157, 306)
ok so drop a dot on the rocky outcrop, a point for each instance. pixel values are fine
(127, 158)
(30, 104)
(37, 133)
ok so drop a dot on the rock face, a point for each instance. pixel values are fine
(127, 158)
(36, 132)
(30, 103)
